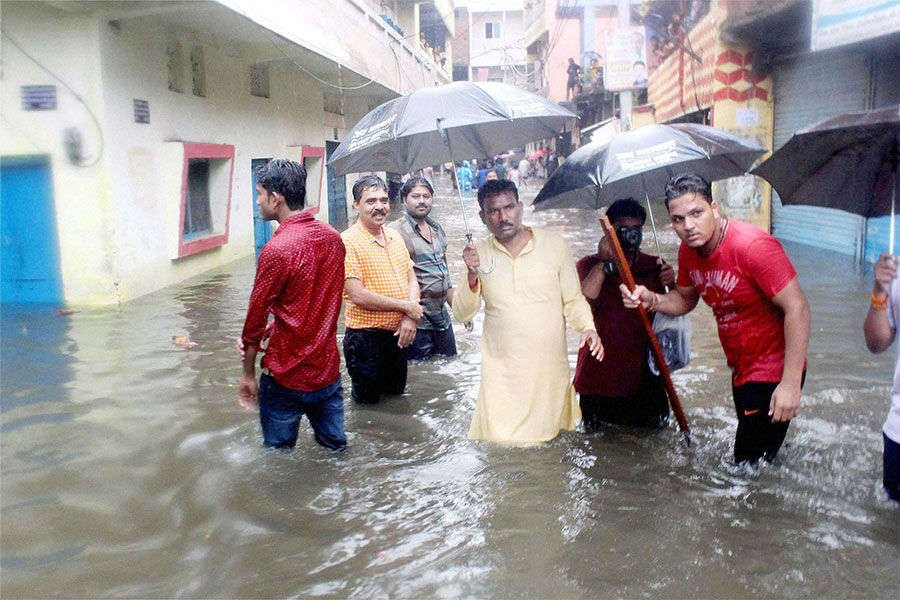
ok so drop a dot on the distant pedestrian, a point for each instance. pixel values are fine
(500, 168)
(301, 366)
(515, 176)
(762, 314)
(381, 297)
(427, 247)
(524, 169)
(573, 81)
(880, 329)
(465, 176)
(481, 175)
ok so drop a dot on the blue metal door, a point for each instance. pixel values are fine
(29, 262)
(337, 193)
(262, 230)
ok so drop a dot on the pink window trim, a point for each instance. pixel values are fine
(195, 150)
(314, 152)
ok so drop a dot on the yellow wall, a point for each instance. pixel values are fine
(739, 101)
(88, 260)
(747, 198)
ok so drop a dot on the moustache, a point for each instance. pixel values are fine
(505, 224)
(379, 212)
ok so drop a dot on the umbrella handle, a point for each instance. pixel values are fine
(655, 234)
(893, 201)
(462, 205)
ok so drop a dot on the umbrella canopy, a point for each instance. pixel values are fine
(844, 162)
(537, 154)
(480, 119)
(641, 161)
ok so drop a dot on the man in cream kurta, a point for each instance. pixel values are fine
(530, 292)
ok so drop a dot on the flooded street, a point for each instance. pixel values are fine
(129, 470)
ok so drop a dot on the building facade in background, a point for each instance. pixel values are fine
(556, 30)
(765, 70)
(130, 130)
(496, 46)
(823, 58)
(700, 76)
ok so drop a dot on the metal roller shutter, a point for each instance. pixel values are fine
(808, 89)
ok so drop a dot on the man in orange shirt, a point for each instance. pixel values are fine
(381, 297)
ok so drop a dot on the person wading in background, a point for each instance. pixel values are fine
(381, 296)
(427, 246)
(621, 389)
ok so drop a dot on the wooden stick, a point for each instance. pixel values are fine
(625, 272)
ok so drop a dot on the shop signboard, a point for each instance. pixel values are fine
(626, 59)
(839, 22)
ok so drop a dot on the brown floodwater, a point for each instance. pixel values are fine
(128, 469)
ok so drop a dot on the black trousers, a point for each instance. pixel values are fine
(757, 435)
(377, 366)
(649, 408)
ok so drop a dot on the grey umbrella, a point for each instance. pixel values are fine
(641, 162)
(432, 125)
(480, 119)
(848, 162)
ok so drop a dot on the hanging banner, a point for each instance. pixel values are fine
(840, 22)
(626, 59)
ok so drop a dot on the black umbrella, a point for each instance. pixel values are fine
(845, 162)
(426, 127)
(641, 162)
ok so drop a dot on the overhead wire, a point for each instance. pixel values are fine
(313, 75)
(553, 40)
(687, 38)
(71, 91)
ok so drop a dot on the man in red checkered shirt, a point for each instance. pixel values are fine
(299, 280)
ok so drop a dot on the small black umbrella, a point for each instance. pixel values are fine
(845, 162)
(426, 127)
(641, 162)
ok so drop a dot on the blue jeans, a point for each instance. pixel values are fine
(429, 342)
(281, 408)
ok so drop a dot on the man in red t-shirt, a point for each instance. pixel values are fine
(620, 389)
(743, 274)
(299, 280)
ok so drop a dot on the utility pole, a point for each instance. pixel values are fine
(624, 10)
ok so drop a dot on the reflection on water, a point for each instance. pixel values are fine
(128, 469)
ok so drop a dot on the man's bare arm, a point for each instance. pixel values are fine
(877, 328)
(248, 388)
(786, 399)
(679, 301)
(593, 283)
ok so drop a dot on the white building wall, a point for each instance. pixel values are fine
(114, 218)
(134, 66)
(508, 49)
(81, 197)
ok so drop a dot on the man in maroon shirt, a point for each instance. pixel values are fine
(299, 280)
(620, 389)
(744, 275)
